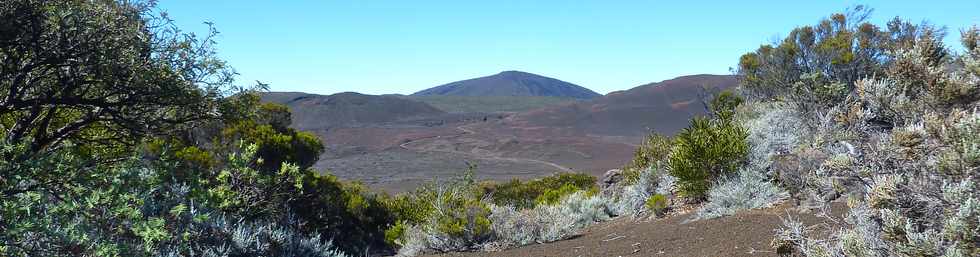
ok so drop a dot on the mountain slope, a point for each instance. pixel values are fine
(317, 112)
(665, 107)
(491, 104)
(511, 83)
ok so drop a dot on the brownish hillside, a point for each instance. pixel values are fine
(320, 112)
(665, 107)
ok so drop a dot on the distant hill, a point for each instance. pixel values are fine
(665, 107)
(491, 104)
(511, 83)
(396, 142)
(315, 112)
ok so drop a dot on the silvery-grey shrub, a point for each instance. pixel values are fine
(751, 189)
(775, 130)
(632, 199)
(548, 223)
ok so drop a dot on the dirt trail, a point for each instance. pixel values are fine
(467, 131)
(745, 234)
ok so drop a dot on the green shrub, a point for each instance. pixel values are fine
(655, 149)
(408, 208)
(724, 105)
(276, 146)
(457, 218)
(709, 148)
(657, 204)
(905, 135)
(347, 212)
(843, 47)
(524, 194)
(132, 161)
(464, 218)
(395, 233)
(552, 196)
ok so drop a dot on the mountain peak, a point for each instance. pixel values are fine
(514, 72)
(511, 83)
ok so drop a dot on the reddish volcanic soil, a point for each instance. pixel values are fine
(399, 158)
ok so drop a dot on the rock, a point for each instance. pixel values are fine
(611, 177)
(611, 180)
(787, 168)
(790, 169)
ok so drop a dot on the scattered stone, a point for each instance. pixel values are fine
(790, 169)
(611, 181)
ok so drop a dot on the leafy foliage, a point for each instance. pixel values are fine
(527, 194)
(657, 204)
(547, 223)
(552, 196)
(655, 149)
(458, 215)
(751, 189)
(131, 209)
(455, 218)
(814, 67)
(101, 73)
(275, 147)
(897, 133)
(142, 146)
(633, 199)
(709, 148)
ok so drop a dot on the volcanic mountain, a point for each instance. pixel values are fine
(396, 143)
(318, 112)
(511, 83)
(664, 107)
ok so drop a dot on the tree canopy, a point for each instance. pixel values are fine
(101, 72)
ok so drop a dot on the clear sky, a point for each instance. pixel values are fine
(399, 46)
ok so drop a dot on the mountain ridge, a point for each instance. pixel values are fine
(664, 107)
(313, 111)
(511, 83)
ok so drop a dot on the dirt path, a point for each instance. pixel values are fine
(745, 234)
(467, 131)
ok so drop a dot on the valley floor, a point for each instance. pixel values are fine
(745, 234)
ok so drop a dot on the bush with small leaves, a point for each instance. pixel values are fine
(655, 149)
(657, 204)
(552, 196)
(751, 189)
(962, 158)
(916, 153)
(547, 223)
(706, 151)
(458, 219)
(633, 198)
(523, 194)
(143, 212)
(773, 129)
(542, 224)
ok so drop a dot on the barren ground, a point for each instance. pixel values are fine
(399, 157)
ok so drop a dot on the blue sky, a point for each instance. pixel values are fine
(381, 47)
